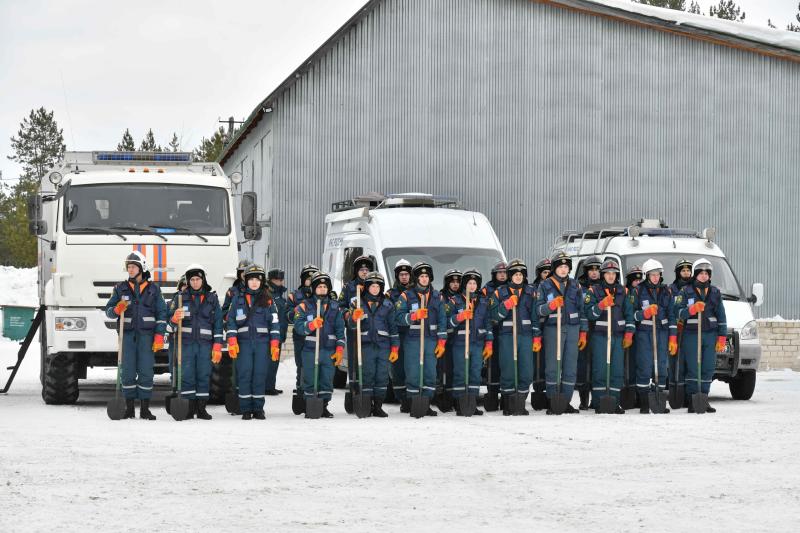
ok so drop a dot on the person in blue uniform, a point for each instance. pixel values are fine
(275, 279)
(402, 282)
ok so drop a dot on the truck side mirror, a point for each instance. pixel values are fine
(36, 226)
(250, 228)
(757, 292)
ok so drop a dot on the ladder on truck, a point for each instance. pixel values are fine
(23, 349)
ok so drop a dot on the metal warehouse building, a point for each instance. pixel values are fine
(545, 115)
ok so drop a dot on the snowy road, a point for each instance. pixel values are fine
(71, 468)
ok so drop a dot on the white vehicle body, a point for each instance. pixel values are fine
(633, 242)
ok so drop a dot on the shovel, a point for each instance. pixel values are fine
(362, 404)
(606, 405)
(677, 391)
(467, 403)
(559, 401)
(315, 404)
(420, 403)
(627, 396)
(232, 396)
(116, 407)
(538, 398)
(179, 405)
(699, 399)
(516, 399)
(656, 398)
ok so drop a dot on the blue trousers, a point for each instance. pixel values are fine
(460, 370)
(195, 370)
(569, 358)
(600, 366)
(428, 366)
(298, 342)
(493, 373)
(524, 370)
(137, 365)
(398, 371)
(708, 360)
(539, 371)
(375, 370)
(444, 367)
(272, 372)
(251, 375)
(644, 358)
(325, 373)
(583, 376)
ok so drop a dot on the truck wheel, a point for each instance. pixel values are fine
(743, 385)
(60, 379)
(220, 381)
(340, 379)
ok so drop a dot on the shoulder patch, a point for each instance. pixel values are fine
(587, 299)
(678, 298)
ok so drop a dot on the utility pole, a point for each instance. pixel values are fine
(230, 122)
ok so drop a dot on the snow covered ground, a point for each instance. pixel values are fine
(70, 468)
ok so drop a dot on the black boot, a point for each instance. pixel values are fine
(506, 405)
(619, 410)
(144, 412)
(273, 392)
(644, 403)
(584, 396)
(202, 414)
(458, 408)
(570, 410)
(377, 409)
(192, 409)
(247, 416)
(405, 405)
(259, 415)
(130, 412)
(325, 412)
(477, 412)
(431, 412)
(710, 409)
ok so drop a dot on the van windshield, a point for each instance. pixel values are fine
(444, 259)
(146, 208)
(722, 276)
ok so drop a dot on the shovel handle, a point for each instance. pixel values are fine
(179, 348)
(655, 352)
(358, 336)
(608, 338)
(466, 350)
(699, 347)
(119, 350)
(316, 353)
(421, 342)
(558, 349)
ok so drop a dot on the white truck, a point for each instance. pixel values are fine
(632, 242)
(92, 210)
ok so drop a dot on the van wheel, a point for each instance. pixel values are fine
(743, 385)
(60, 385)
(340, 379)
(220, 381)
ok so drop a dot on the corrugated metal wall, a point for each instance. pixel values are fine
(545, 120)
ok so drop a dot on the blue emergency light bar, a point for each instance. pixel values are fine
(143, 157)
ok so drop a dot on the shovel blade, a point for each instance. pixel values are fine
(539, 401)
(314, 407)
(179, 408)
(348, 402)
(116, 408)
(232, 402)
(168, 402)
(558, 403)
(362, 405)
(490, 402)
(606, 405)
(700, 403)
(419, 405)
(677, 393)
(298, 403)
(657, 401)
(467, 404)
(627, 397)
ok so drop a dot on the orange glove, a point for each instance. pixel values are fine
(315, 324)
(606, 302)
(158, 342)
(394, 354)
(178, 316)
(439, 350)
(537, 344)
(275, 349)
(511, 302)
(673, 344)
(216, 353)
(419, 314)
(650, 311)
(582, 340)
(698, 307)
(466, 314)
(338, 355)
(627, 340)
(556, 302)
(358, 314)
(121, 306)
(233, 348)
(721, 342)
(488, 349)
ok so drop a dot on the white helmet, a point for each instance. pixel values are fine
(650, 265)
(137, 258)
(401, 266)
(701, 264)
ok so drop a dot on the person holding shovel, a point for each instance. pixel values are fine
(402, 282)
(590, 276)
(253, 337)
(499, 278)
(380, 340)
(144, 325)
(330, 324)
(609, 294)
(704, 300)
(275, 278)
(293, 299)
(683, 277)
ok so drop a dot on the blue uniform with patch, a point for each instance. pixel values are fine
(527, 328)
(293, 299)
(480, 331)
(435, 329)
(281, 304)
(493, 364)
(397, 371)
(713, 325)
(644, 295)
(346, 299)
(378, 335)
(583, 377)
(331, 335)
(676, 377)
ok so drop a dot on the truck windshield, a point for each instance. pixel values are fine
(146, 208)
(444, 259)
(722, 276)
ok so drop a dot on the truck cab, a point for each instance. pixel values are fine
(632, 242)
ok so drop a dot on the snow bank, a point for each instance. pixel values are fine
(18, 286)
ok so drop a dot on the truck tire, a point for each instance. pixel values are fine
(60, 379)
(743, 385)
(220, 381)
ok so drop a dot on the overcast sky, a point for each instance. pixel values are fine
(104, 66)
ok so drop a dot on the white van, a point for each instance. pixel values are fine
(632, 242)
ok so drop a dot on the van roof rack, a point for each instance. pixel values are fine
(375, 200)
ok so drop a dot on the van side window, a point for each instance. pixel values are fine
(350, 255)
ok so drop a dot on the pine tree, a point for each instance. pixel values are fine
(695, 8)
(127, 144)
(174, 145)
(149, 143)
(792, 26)
(770, 24)
(727, 9)
(211, 149)
(39, 144)
(679, 5)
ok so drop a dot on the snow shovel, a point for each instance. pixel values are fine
(699, 399)
(656, 399)
(559, 401)
(516, 399)
(315, 404)
(467, 403)
(232, 396)
(180, 406)
(116, 407)
(490, 402)
(538, 398)
(362, 404)
(420, 403)
(606, 405)
(677, 391)
(627, 396)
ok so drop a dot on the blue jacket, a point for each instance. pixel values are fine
(248, 321)
(645, 295)
(573, 313)
(393, 295)
(146, 312)
(332, 333)
(293, 299)
(281, 303)
(621, 312)
(410, 301)
(714, 315)
(527, 319)
(480, 327)
(202, 316)
(379, 325)
(230, 294)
